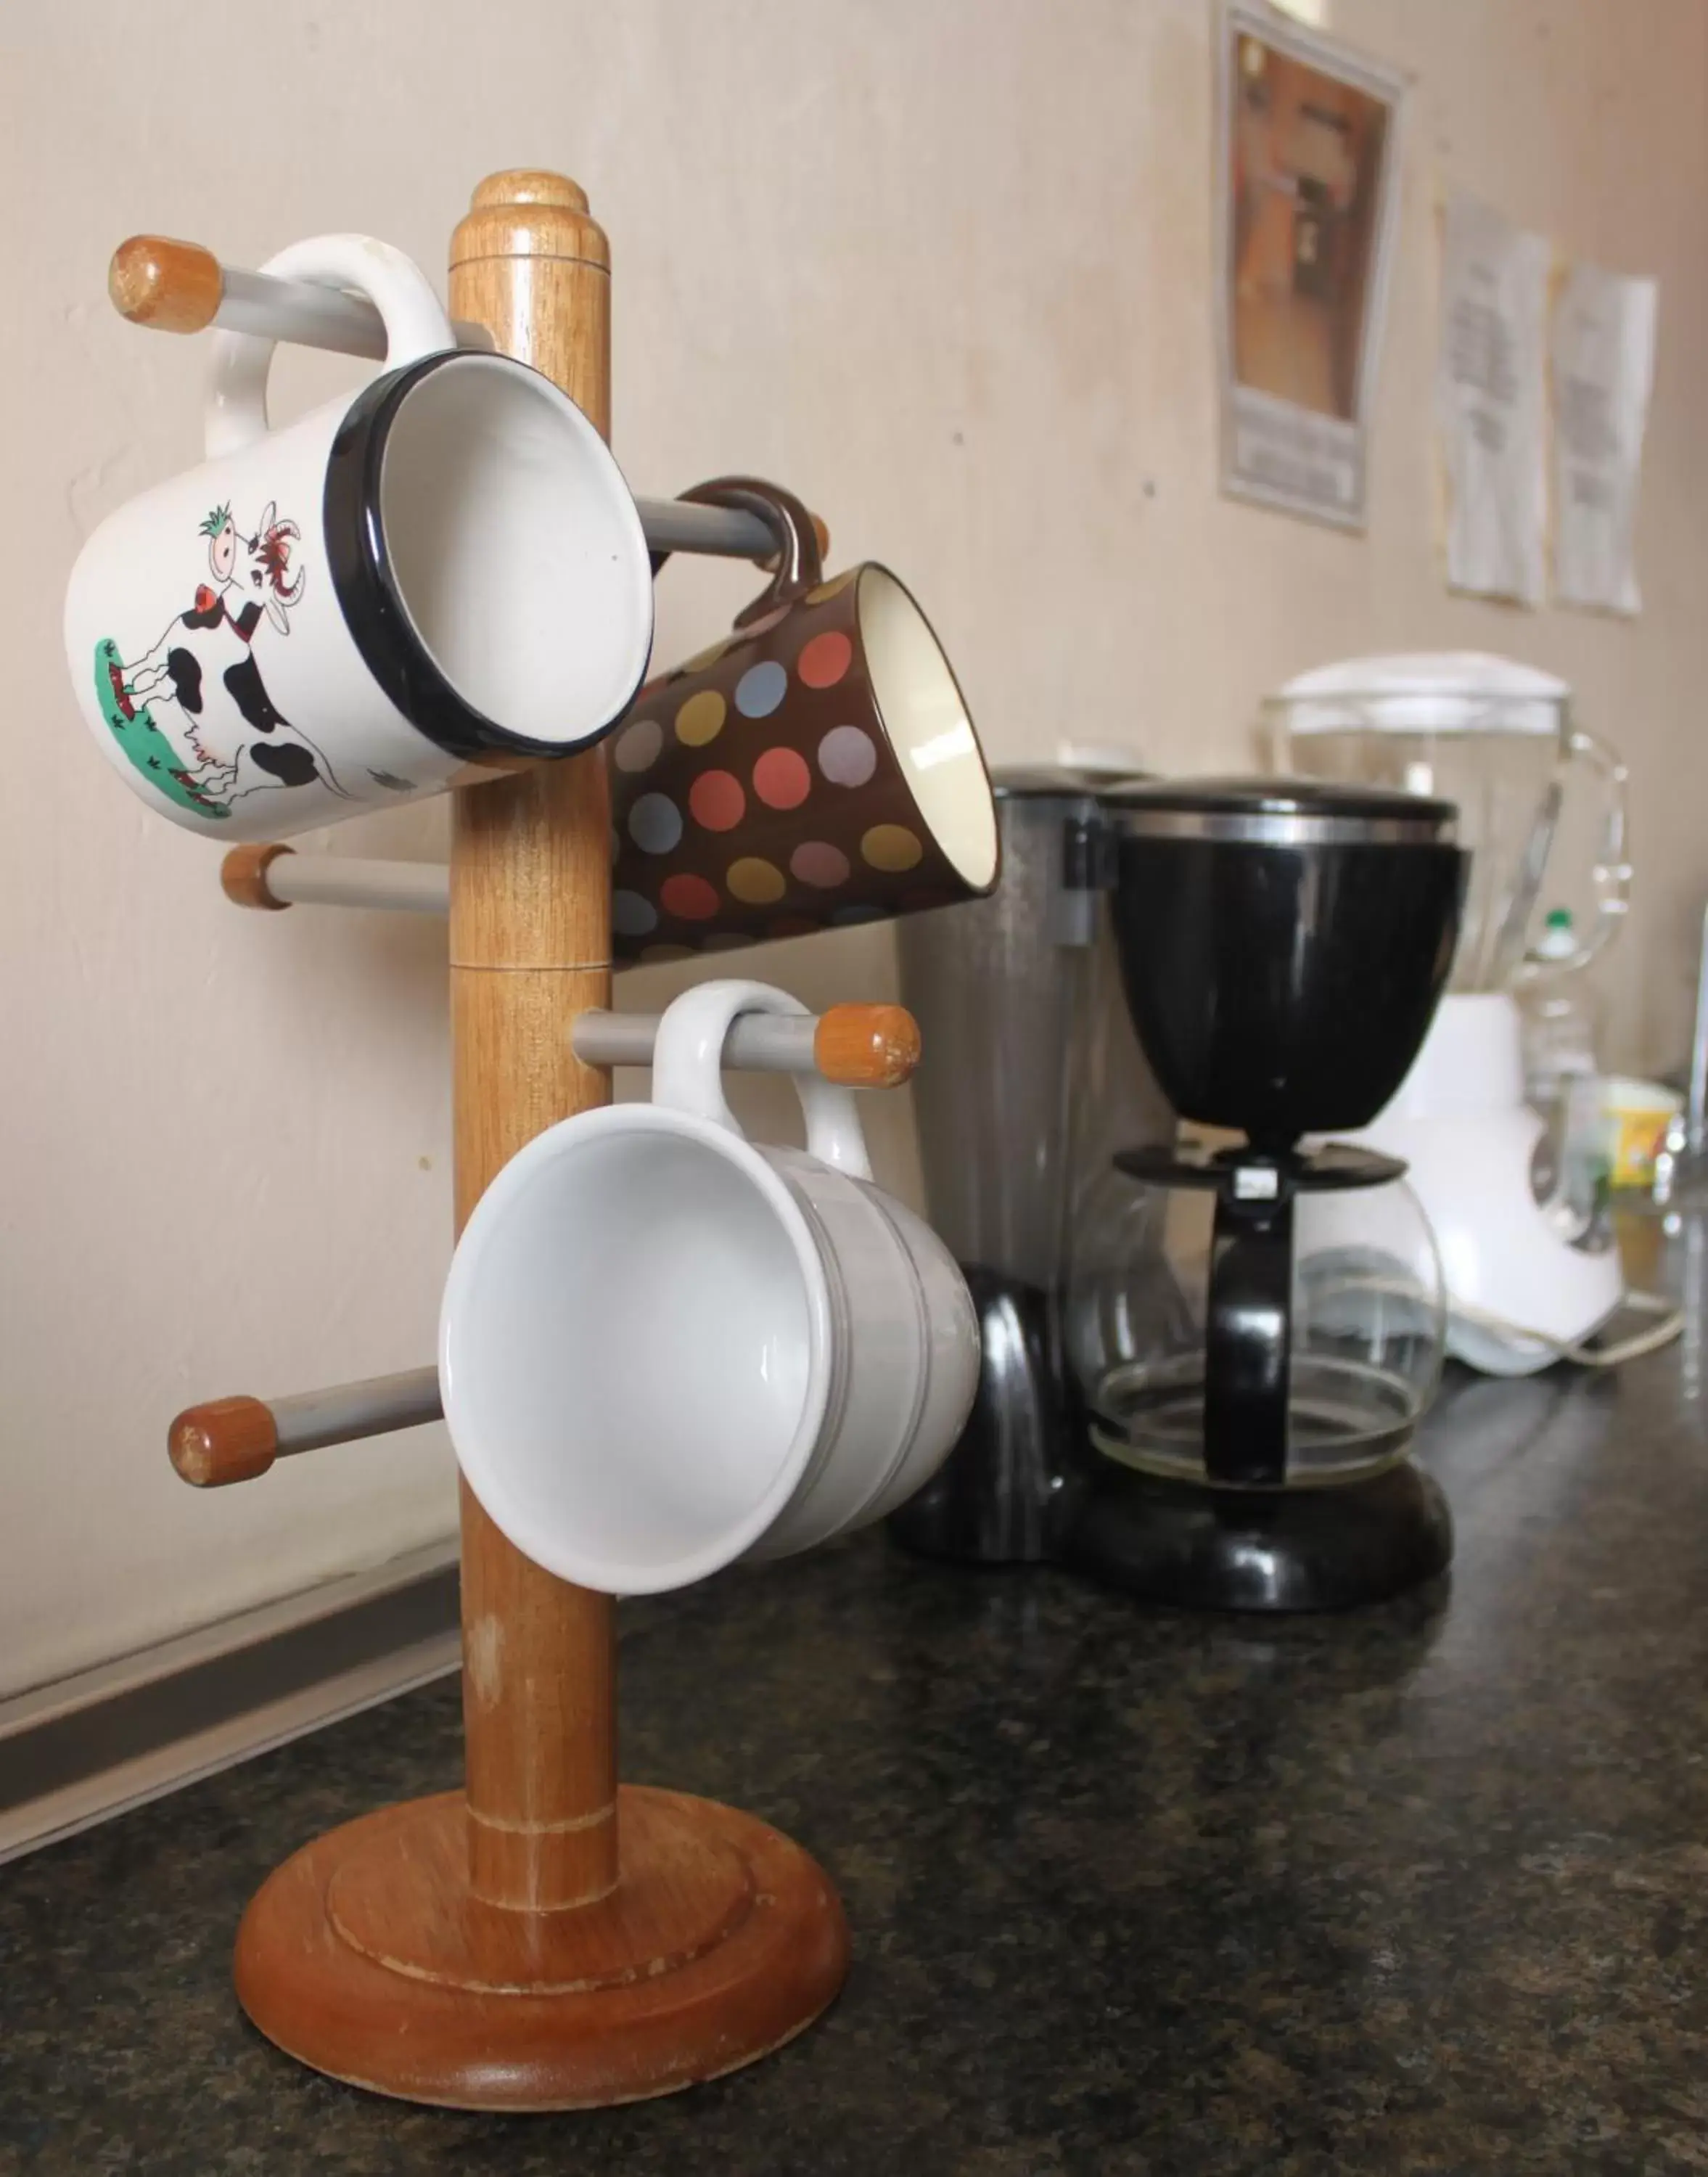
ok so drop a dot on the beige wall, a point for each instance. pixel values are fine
(943, 266)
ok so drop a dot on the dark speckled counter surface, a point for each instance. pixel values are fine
(1422, 1888)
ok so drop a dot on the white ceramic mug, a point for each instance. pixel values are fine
(349, 611)
(662, 1347)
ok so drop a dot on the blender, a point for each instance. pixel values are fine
(1531, 1272)
(1254, 1362)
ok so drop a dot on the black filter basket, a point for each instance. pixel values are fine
(1283, 945)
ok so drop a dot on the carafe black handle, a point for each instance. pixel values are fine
(1248, 1339)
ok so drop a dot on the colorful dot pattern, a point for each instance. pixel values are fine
(781, 779)
(755, 795)
(716, 801)
(760, 689)
(700, 719)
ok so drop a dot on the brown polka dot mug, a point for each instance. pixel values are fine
(815, 768)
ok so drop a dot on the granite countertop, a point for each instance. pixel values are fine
(1422, 1888)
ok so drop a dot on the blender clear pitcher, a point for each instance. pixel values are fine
(1492, 736)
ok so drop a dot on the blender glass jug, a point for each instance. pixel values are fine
(1495, 738)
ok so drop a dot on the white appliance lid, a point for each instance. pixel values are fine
(1425, 691)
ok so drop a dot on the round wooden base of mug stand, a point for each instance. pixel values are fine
(366, 1956)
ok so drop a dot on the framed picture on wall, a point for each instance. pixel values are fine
(1307, 141)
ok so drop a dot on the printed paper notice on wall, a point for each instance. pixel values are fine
(1603, 369)
(1490, 399)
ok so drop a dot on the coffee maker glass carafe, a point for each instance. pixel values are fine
(1365, 1321)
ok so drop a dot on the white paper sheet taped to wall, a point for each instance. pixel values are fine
(1490, 396)
(1603, 354)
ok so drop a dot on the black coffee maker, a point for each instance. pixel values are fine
(1282, 946)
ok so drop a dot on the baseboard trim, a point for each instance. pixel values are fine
(88, 1747)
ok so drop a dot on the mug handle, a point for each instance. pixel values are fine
(416, 326)
(799, 564)
(1612, 873)
(688, 1070)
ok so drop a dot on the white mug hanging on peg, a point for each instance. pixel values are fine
(350, 610)
(663, 1347)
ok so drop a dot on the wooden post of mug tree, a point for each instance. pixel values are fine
(542, 1940)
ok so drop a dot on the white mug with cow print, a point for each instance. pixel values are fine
(355, 609)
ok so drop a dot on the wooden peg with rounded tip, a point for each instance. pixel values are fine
(225, 1440)
(866, 1046)
(175, 286)
(243, 876)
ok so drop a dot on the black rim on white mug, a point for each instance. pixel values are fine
(420, 567)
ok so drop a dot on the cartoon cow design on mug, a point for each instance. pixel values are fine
(194, 712)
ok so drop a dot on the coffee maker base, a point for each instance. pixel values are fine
(1267, 1550)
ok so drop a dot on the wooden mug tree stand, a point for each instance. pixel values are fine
(544, 1939)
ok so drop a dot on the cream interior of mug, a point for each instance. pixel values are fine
(928, 725)
(516, 550)
(627, 1380)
